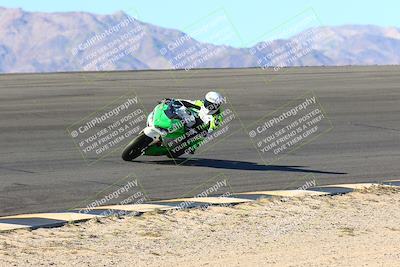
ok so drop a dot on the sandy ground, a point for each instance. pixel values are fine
(357, 229)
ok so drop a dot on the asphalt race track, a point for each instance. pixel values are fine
(42, 170)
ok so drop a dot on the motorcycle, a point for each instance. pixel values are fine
(167, 134)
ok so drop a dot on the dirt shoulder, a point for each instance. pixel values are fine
(357, 229)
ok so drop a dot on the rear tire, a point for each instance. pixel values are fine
(136, 147)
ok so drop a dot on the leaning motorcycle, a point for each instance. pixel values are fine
(166, 133)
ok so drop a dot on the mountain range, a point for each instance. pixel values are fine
(75, 41)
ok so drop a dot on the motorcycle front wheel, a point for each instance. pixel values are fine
(136, 147)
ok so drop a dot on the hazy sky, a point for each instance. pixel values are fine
(251, 18)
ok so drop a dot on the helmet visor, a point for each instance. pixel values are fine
(212, 107)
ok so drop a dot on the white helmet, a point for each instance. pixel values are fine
(213, 101)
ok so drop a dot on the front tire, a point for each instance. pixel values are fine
(136, 147)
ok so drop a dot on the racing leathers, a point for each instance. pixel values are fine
(201, 117)
(195, 118)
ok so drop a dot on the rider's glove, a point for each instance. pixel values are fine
(187, 117)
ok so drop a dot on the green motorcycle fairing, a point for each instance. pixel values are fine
(174, 127)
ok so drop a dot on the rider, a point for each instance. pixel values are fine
(208, 111)
(208, 115)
